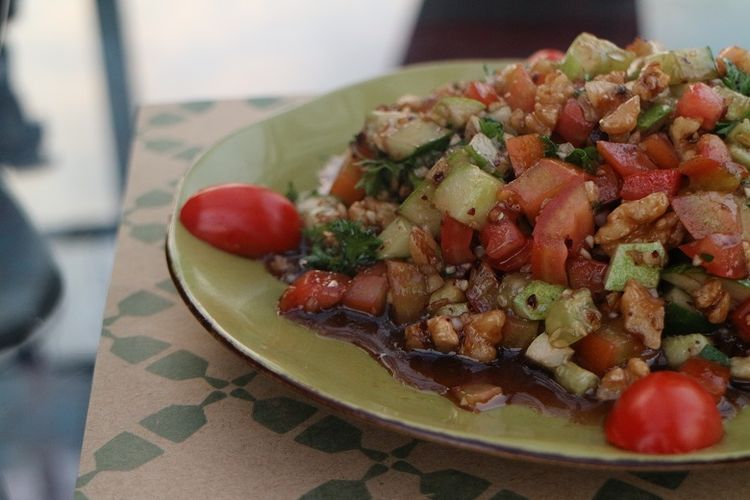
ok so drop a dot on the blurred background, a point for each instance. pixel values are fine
(72, 75)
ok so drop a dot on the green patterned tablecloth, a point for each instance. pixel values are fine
(176, 414)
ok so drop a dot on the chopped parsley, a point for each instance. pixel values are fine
(736, 79)
(587, 158)
(342, 246)
(550, 148)
(724, 128)
(491, 128)
(291, 192)
(706, 257)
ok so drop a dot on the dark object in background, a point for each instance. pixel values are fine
(447, 29)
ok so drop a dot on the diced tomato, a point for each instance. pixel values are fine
(637, 186)
(741, 320)
(607, 347)
(520, 89)
(541, 182)
(703, 103)
(720, 255)
(563, 224)
(481, 91)
(367, 293)
(707, 212)
(455, 242)
(712, 376)
(515, 261)
(586, 273)
(501, 239)
(572, 126)
(344, 187)
(524, 151)
(626, 159)
(708, 174)
(314, 291)
(712, 146)
(660, 150)
(608, 183)
(545, 54)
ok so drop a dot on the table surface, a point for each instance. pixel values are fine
(176, 414)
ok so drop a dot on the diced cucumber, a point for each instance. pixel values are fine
(467, 194)
(744, 218)
(681, 317)
(541, 352)
(483, 151)
(418, 208)
(639, 261)
(407, 139)
(685, 65)
(511, 286)
(395, 238)
(738, 105)
(655, 116)
(575, 379)
(692, 278)
(740, 154)
(453, 310)
(711, 353)
(739, 367)
(740, 134)
(518, 333)
(680, 348)
(571, 317)
(534, 301)
(455, 111)
(589, 56)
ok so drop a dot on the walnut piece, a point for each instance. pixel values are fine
(712, 300)
(623, 119)
(551, 95)
(651, 82)
(373, 213)
(444, 336)
(481, 334)
(617, 379)
(684, 135)
(416, 336)
(424, 251)
(643, 313)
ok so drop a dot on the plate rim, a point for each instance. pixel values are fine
(639, 463)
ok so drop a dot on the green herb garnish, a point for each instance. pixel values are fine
(550, 148)
(491, 128)
(342, 246)
(291, 192)
(587, 158)
(736, 79)
(706, 257)
(724, 128)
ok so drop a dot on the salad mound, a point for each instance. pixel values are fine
(582, 215)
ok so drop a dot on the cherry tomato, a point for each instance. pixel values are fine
(664, 412)
(243, 219)
(314, 291)
(702, 103)
(548, 54)
(741, 320)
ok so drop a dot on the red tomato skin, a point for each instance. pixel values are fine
(637, 186)
(524, 152)
(606, 348)
(728, 258)
(515, 261)
(608, 183)
(664, 413)
(482, 92)
(243, 219)
(660, 150)
(545, 54)
(314, 291)
(707, 212)
(626, 159)
(572, 126)
(521, 91)
(367, 293)
(712, 376)
(712, 146)
(455, 242)
(501, 239)
(586, 273)
(702, 103)
(741, 320)
(344, 186)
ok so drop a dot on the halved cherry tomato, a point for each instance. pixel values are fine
(524, 151)
(314, 291)
(660, 150)
(708, 212)
(720, 254)
(541, 182)
(502, 238)
(481, 91)
(741, 320)
(455, 242)
(702, 103)
(664, 412)
(607, 347)
(712, 376)
(637, 186)
(545, 54)
(586, 273)
(560, 229)
(520, 89)
(243, 219)
(344, 187)
(626, 159)
(608, 183)
(572, 125)
(709, 175)
(367, 293)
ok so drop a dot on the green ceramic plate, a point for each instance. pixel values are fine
(235, 298)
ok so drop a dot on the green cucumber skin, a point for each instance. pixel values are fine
(680, 321)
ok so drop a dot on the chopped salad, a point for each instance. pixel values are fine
(584, 214)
